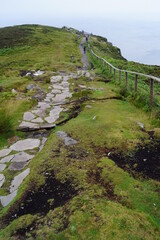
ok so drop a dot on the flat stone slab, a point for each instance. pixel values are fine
(7, 159)
(22, 157)
(47, 126)
(43, 105)
(56, 79)
(26, 144)
(39, 112)
(56, 91)
(67, 140)
(5, 200)
(17, 181)
(2, 180)
(2, 167)
(17, 166)
(28, 116)
(4, 152)
(38, 120)
(56, 111)
(28, 126)
(51, 119)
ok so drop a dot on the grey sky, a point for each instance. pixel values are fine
(18, 11)
(132, 25)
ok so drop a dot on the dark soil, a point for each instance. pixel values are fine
(145, 160)
(53, 194)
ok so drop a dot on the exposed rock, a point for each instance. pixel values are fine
(5, 200)
(43, 105)
(7, 159)
(39, 112)
(82, 86)
(42, 143)
(38, 73)
(67, 140)
(22, 157)
(18, 180)
(38, 120)
(56, 91)
(141, 125)
(56, 79)
(28, 126)
(17, 166)
(4, 152)
(2, 180)
(51, 119)
(26, 144)
(94, 118)
(14, 91)
(88, 106)
(2, 167)
(47, 126)
(30, 87)
(28, 116)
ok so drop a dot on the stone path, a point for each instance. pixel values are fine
(84, 55)
(17, 156)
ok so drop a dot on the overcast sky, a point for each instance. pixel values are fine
(119, 20)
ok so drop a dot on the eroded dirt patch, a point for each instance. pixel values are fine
(145, 160)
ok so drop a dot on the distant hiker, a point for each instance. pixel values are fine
(84, 49)
(86, 39)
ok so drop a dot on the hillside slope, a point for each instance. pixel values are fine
(97, 174)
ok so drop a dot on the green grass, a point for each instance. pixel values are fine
(25, 48)
(113, 55)
(108, 203)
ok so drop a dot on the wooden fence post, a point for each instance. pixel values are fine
(126, 79)
(110, 70)
(136, 83)
(120, 75)
(151, 92)
(114, 74)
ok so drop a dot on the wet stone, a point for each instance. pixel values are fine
(5, 200)
(26, 144)
(17, 181)
(2, 180)
(4, 152)
(17, 166)
(67, 140)
(2, 167)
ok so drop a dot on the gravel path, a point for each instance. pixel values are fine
(84, 55)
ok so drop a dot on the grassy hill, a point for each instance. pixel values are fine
(99, 188)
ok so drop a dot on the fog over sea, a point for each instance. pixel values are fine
(139, 41)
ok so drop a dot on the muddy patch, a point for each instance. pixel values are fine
(145, 160)
(53, 194)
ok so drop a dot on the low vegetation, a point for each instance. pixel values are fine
(79, 191)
